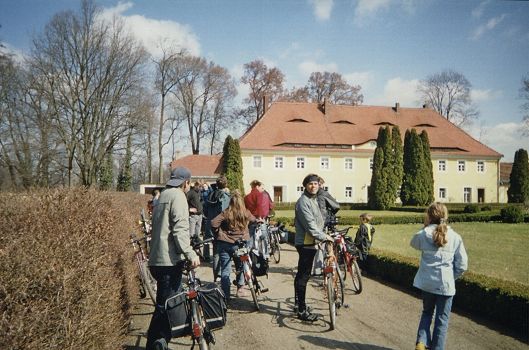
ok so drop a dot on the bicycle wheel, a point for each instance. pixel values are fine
(331, 300)
(199, 320)
(149, 282)
(251, 282)
(340, 284)
(356, 277)
(275, 249)
(341, 262)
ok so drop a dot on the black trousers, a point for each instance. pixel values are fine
(168, 283)
(306, 257)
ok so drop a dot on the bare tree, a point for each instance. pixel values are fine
(448, 93)
(200, 86)
(92, 69)
(263, 81)
(524, 94)
(297, 95)
(333, 88)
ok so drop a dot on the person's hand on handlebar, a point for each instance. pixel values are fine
(195, 262)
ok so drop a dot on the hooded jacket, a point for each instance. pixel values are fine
(439, 266)
(308, 221)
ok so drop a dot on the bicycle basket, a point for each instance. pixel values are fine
(213, 305)
(177, 309)
(259, 264)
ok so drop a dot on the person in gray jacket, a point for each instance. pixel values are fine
(309, 228)
(443, 260)
(170, 248)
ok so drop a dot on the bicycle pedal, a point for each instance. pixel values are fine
(263, 290)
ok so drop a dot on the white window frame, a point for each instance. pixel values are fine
(348, 192)
(348, 161)
(279, 160)
(480, 166)
(461, 166)
(441, 165)
(300, 160)
(371, 162)
(255, 159)
(322, 158)
(299, 190)
(443, 189)
(465, 199)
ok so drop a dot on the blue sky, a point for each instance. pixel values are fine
(386, 46)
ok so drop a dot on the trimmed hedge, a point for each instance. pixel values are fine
(500, 301)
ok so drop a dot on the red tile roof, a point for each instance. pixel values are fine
(206, 166)
(289, 125)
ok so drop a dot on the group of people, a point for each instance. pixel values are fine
(229, 217)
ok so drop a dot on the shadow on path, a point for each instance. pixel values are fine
(338, 344)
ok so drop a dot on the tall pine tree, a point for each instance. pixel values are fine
(232, 164)
(413, 190)
(106, 173)
(518, 191)
(378, 189)
(428, 171)
(397, 163)
(125, 173)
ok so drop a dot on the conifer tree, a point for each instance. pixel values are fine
(518, 191)
(428, 170)
(378, 189)
(125, 173)
(232, 164)
(397, 163)
(413, 190)
(106, 173)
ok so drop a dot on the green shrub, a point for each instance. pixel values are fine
(471, 208)
(512, 214)
(486, 208)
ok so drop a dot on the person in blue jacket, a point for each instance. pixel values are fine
(443, 260)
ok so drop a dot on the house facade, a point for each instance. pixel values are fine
(338, 142)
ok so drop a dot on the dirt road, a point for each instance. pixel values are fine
(380, 318)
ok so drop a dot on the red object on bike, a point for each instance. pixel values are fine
(196, 330)
(244, 258)
(192, 294)
(328, 269)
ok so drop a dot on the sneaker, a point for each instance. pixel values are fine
(160, 344)
(296, 308)
(420, 346)
(307, 316)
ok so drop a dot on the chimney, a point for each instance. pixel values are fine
(265, 104)
(397, 107)
(324, 105)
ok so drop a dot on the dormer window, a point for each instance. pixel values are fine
(426, 125)
(343, 122)
(298, 120)
(385, 124)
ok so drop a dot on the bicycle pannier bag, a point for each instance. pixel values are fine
(213, 305)
(177, 309)
(259, 264)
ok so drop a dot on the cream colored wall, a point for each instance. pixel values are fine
(455, 181)
(359, 178)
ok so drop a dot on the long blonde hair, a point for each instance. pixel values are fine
(438, 214)
(235, 214)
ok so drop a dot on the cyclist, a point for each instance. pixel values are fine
(259, 203)
(169, 250)
(195, 211)
(230, 226)
(309, 228)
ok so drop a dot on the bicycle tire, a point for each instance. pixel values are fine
(252, 286)
(341, 263)
(276, 250)
(331, 301)
(356, 277)
(340, 291)
(197, 313)
(148, 281)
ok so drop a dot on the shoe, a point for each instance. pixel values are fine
(160, 344)
(307, 316)
(420, 346)
(296, 308)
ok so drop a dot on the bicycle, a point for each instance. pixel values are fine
(332, 281)
(245, 267)
(346, 255)
(147, 282)
(274, 239)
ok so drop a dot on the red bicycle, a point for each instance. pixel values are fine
(346, 254)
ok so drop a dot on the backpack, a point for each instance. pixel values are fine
(217, 201)
(259, 264)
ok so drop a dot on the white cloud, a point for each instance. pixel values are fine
(322, 9)
(364, 79)
(484, 95)
(398, 90)
(477, 12)
(490, 25)
(153, 33)
(308, 67)
(503, 138)
(17, 55)
(370, 7)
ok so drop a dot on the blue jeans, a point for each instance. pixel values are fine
(168, 283)
(442, 305)
(226, 251)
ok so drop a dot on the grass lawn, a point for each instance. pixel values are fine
(494, 249)
(353, 213)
